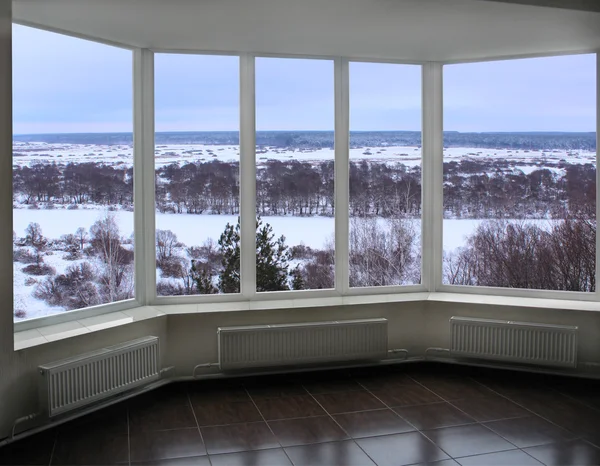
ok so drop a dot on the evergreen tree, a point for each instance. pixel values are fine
(271, 259)
(202, 278)
(229, 244)
(297, 279)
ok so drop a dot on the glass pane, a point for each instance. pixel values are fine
(294, 179)
(197, 158)
(520, 173)
(72, 173)
(385, 174)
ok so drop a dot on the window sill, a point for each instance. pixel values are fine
(42, 335)
(39, 336)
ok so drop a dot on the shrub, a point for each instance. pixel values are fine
(166, 288)
(39, 269)
(24, 256)
(20, 313)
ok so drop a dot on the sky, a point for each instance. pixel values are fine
(67, 85)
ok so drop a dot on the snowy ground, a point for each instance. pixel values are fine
(26, 153)
(195, 229)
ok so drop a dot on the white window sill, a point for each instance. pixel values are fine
(42, 335)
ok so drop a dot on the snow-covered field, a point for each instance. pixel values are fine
(193, 230)
(26, 153)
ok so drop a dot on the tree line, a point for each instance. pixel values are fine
(561, 256)
(472, 188)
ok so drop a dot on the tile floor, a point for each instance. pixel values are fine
(395, 415)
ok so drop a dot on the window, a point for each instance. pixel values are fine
(385, 175)
(294, 174)
(72, 174)
(520, 174)
(197, 158)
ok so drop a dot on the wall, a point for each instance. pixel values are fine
(190, 339)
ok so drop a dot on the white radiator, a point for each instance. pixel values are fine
(84, 379)
(522, 342)
(308, 343)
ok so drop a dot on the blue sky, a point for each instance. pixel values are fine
(68, 85)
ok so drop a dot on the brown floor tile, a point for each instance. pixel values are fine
(372, 423)
(332, 386)
(166, 444)
(385, 381)
(216, 414)
(273, 388)
(171, 393)
(562, 410)
(192, 461)
(434, 416)
(490, 408)
(454, 388)
(401, 449)
(110, 419)
(289, 407)
(503, 458)
(276, 457)
(90, 448)
(161, 416)
(307, 430)
(529, 431)
(208, 395)
(468, 440)
(328, 454)
(347, 402)
(406, 395)
(34, 450)
(238, 437)
(573, 452)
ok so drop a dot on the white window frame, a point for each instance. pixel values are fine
(431, 189)
(523, 292)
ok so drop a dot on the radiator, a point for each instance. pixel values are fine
(307, 343)
(522, 342)
(87, 378)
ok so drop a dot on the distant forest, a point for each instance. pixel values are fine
(325, 139)
(472, 188)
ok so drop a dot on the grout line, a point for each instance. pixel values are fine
(406, 420)
(53, 447)
(191, 406)
(268, 426)
(340, 426)
(527, 409)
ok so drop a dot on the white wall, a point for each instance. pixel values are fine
(190, 339)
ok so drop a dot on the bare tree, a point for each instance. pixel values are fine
(117, 273)
(382, 252)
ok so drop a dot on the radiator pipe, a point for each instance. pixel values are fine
(20, 420)
(207, 365)
(439, 350)
(398, 350)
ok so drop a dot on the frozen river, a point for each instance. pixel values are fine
(195, 229)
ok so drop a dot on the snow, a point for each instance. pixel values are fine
(193, 230)
(26, 153)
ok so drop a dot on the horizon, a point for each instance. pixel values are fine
(304, 131)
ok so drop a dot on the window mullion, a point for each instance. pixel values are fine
(432, 176)
(247, 176)
(342, 173)
(143, 176)
(597, 172)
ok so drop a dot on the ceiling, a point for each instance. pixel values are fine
(411, 30)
